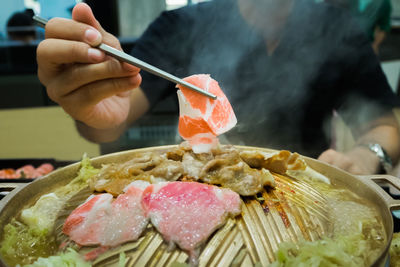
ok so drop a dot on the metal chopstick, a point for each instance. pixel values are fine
(138, 63)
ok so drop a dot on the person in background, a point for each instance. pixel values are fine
(283, 64)
(20, 26)
(374, 17)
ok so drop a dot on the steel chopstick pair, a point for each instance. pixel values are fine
(138, 63)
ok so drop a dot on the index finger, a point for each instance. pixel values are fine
(67, 29)
(53, 53)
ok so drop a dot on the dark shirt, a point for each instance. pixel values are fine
(284, 100)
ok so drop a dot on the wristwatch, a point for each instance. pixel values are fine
(384, 159)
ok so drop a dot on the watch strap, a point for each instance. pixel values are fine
(384, 159)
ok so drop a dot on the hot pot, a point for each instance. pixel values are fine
(245, 241)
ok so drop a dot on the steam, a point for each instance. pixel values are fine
(282, 100)
(262, 88)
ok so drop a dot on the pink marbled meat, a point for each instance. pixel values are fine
(101, 221)
(127, 220)
(85, 225)
(202, 119)
(187, 213)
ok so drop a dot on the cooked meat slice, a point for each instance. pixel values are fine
(187, 213)
(112, 186)
(99, 221)
(194, 163)
(296, 162)
(225, 149)
(255, 159)
(113, 177)
(134, 167)
(168, 170)
(175, 154)
(278, 162)
(239, 177)
(222, 158)
(229, 170)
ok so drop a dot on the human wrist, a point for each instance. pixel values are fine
(384, 160)
(365, 157)
(99, 135)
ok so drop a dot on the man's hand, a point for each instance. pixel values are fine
(90, 86)
(357, 161)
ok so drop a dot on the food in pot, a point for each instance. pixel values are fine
(187, 213)
(221, 166)
(151, 167)
(30, 236)
(68, 258)
(356, 236)
(27, 171)
(202, 119)
(293, 210)
(107, 222)
(395, 251)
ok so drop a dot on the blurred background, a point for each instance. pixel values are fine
(32, 126)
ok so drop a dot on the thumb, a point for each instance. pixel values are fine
(83, 13)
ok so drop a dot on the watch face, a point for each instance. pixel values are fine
(384, 159)
(377, 149)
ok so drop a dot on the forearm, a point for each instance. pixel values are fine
(99, 135)
(384, 132)
(361, 160)
(387, 137)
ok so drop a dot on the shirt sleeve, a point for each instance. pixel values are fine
(162, 46)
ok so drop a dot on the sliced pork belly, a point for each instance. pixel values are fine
(187, 213)
(127, 220)
(201, 118)
(86, 224)
(101, 221)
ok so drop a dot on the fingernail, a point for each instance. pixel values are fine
(95, 54)
(92, 35)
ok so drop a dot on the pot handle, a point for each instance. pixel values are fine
(393, 204)
(6, 188)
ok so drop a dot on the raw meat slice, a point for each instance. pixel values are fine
(187, 213)
(127, 220)
(45, 168)
(201, 118)
(99, 221)
(27, 171)
(86, 224)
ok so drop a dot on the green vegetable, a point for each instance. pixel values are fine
(85, 173)
(260, 199)
(23, 244)
(71, 258)
(43, 213)
(122, 259)
(395, 251)
(342, 251)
